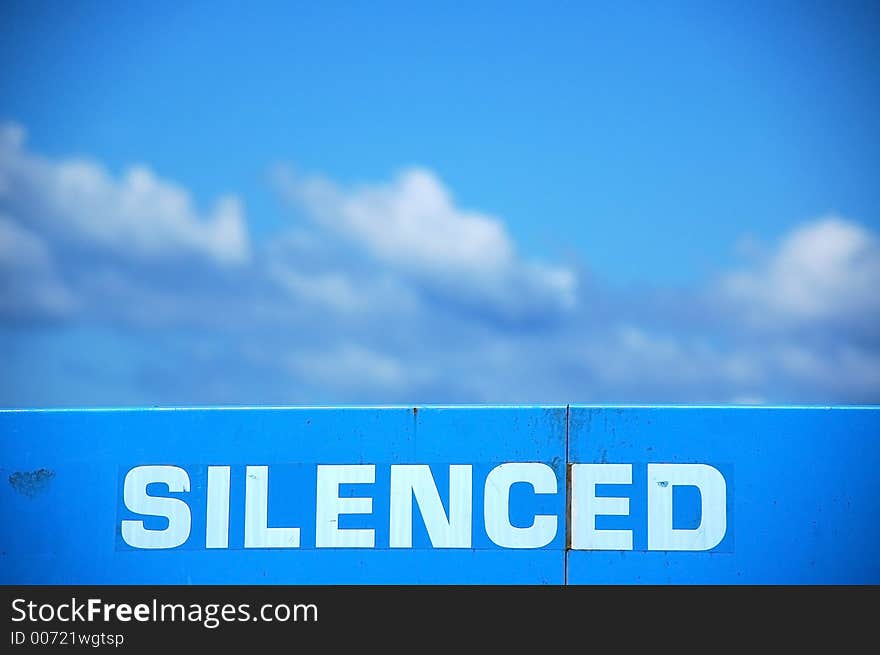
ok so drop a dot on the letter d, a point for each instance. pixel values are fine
(713, 512)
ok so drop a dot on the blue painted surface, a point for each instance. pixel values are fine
(67, 531)
(803, 502)
(803, 492)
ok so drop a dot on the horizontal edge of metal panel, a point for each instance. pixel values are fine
(238, 408)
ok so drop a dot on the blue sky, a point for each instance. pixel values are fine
(510, 202)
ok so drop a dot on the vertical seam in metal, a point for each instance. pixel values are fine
(567, 496)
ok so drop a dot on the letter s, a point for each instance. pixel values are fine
(174, 509)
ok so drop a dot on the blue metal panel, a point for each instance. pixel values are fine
(802, 502)
(803, 494)
(61, 496)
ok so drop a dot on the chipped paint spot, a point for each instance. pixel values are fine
(30, 483)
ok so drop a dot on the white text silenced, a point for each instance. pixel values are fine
(413, 486)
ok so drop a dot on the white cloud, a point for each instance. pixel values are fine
(411, 220)
(636, 357)
(137, 214)
(390, 292)
(748, 400)
(411, 225)
(843, 370)
(313, 270)
(348, 366)
(825, 269)
(29, 284)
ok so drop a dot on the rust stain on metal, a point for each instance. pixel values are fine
(415, 412)
(30, 483)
